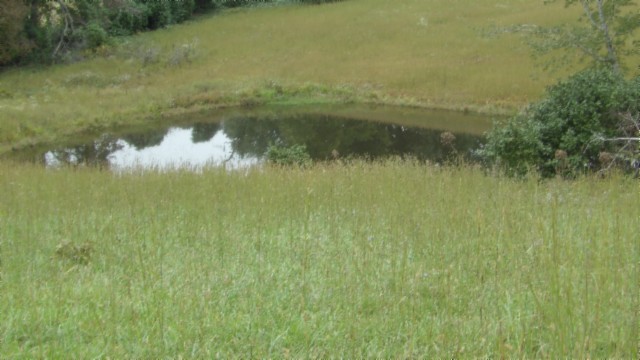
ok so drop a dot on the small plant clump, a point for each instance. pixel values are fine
(74, 253)
(295, 155)
(183, 53)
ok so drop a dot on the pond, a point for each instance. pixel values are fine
(237, 138)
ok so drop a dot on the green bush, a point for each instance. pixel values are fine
(159, 14)
(564, 132)
(181, 10)
(317, 1)
(92, 36)
(295, 155)
(128, 18)
(238, 3)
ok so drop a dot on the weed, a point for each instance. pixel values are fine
(5, 94)
(75, 254)
(295, 155)
(182, 54)
(149, 56)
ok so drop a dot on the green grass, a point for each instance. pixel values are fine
(385, 260)
(325, 262)
(418, 53)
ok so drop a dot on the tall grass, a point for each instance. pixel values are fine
(270, 263)
(426, 53)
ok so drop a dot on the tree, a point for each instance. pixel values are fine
(604, 35)
(13, 40)
(587, 122)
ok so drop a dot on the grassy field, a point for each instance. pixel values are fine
(429, 53)
(364, 260)
(271, 263)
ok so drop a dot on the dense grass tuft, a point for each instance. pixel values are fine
(318, 262)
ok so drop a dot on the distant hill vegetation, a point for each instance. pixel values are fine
(46, 31)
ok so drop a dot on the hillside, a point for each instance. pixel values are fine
(420, 53)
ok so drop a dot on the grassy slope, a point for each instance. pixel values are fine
(421, 262)
(418, 262)
(416, 52)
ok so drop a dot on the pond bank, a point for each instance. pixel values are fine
(313, 97)
(245, 134)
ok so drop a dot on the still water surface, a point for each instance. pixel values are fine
(241, 138)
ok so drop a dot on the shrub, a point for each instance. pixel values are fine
(159, 14)
(295, 155)
(574, 117)
(13, 40)
(238, 3)
(92, 36)
(317, 1)
(182, 10)
(127, 18)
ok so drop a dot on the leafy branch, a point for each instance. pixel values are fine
(604, 35)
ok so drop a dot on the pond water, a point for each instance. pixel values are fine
(239, 138)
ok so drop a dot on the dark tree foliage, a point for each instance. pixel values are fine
(203, 132)
(13, 41)
(567, 132)
(326, 137)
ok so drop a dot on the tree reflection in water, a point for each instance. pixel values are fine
(96, 153)
(325, 136)
(249, 138)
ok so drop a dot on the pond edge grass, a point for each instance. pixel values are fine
(262, 96)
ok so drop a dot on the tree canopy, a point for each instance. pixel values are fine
(604, 36)
(13, 40)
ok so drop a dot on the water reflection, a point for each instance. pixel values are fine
(243, 141)
(323, 135)
(180, 148)
(96, 153)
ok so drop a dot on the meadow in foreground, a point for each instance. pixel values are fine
(273, 263)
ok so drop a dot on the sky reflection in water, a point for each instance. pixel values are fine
(178, 150)
(241, 142)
